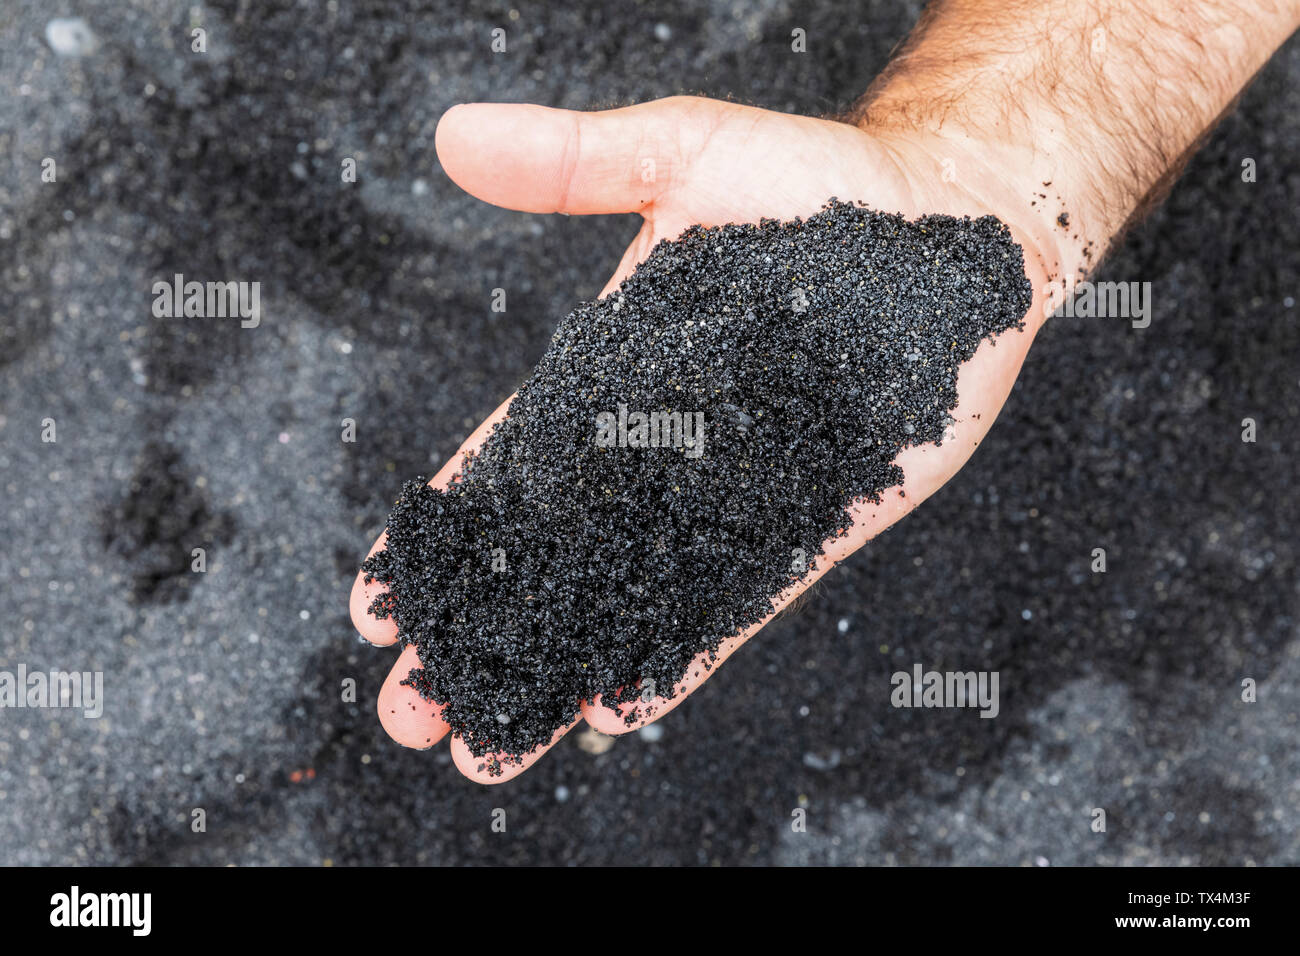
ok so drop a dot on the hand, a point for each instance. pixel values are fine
(714, 163)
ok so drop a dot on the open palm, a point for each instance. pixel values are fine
(683, 161)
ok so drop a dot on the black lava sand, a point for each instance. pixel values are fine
(806, 354)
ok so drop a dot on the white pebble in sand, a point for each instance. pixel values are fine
(652, 733)
(70, 36)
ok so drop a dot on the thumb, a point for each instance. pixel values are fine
(537, 159)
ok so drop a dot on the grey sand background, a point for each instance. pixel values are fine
(1119, 691)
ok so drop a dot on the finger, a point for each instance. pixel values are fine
(498, 767)
(383, 631)
(409, 719)
(538, 159)
(378, 631)
(984, 382)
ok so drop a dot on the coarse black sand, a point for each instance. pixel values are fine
(570, 561)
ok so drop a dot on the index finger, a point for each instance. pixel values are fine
(383, 632)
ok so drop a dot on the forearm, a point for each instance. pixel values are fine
(1093, 104)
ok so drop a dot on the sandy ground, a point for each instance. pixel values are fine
(1119, 691)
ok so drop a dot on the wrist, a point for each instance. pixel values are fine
(954, 172)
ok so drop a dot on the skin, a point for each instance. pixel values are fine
(1022, 109)
(715, 163)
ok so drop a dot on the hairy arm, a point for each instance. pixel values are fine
(1096, 104)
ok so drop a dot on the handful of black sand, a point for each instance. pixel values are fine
(678, 448)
